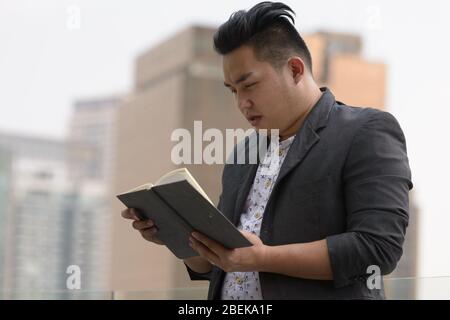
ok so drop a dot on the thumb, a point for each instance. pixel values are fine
(253, 238)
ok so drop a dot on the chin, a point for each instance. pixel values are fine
(266, 129)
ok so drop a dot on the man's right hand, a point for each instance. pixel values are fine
(147, 228)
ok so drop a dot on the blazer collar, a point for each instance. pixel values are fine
(319, 115)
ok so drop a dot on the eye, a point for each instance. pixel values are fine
(250, 85)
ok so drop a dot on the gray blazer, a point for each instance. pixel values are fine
(345, 179)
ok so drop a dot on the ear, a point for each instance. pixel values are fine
(297, 68)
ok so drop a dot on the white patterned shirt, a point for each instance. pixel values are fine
(246, 285)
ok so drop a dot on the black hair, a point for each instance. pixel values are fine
(269, 29)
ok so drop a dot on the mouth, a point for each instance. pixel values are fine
(254, 120)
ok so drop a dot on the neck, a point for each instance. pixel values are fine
(308, 102)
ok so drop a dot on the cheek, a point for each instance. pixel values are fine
(275, 111)
(272, 102)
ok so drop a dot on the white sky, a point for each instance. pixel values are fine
(45, 65)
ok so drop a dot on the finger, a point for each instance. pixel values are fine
(150, 235)
(142, 224)
(252, 237)
(213, 245)
(246, 233)
(205, 252)
(129, 214)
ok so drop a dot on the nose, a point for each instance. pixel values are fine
(244, 103)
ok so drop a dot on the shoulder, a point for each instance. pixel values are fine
(356, 116)
(358, 120)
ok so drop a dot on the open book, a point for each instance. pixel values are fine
(178, 205)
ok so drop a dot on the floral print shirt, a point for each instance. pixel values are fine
(246, 285)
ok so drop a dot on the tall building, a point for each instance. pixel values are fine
(178, 82)
(5, 164)
(91, 142)
(338, 64)
(33, 222)
(92, 136)
(57, 212)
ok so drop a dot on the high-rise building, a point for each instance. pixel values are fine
(33, 222)
(5, 164)
(92, 138)
(178, 82)
(91, 144)
(338, 64)
(57, 212)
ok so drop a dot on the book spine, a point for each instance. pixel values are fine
(184, 223)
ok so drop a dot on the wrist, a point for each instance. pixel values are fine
(265, 258)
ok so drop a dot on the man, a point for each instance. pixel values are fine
(336, 209)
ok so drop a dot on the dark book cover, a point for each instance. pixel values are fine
(178, 209)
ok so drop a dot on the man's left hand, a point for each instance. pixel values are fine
(230, 260)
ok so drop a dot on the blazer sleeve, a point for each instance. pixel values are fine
(198, 276)
(376, 179)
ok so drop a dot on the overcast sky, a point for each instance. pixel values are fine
(46, 62)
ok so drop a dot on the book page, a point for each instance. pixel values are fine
(180, 175)
(142, 187)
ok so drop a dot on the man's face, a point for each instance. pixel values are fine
(262, 93)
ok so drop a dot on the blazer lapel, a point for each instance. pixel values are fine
(300, 146)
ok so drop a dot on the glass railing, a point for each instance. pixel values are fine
(418, 288)
(414, 288)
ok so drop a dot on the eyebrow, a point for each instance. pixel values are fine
(241, 78)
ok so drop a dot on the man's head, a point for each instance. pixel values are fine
(267, 65)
